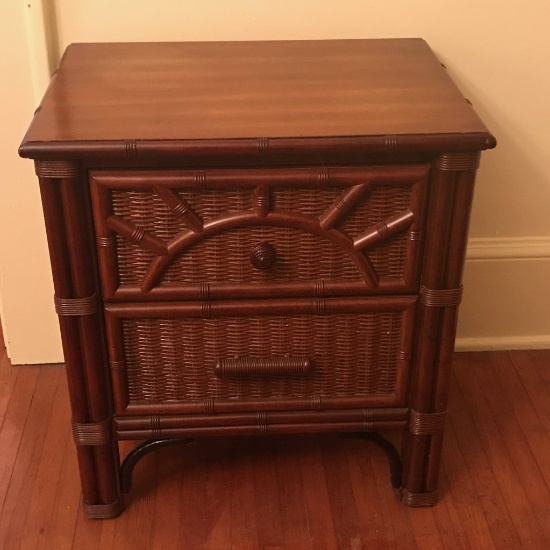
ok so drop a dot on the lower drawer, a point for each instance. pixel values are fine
(260, 355)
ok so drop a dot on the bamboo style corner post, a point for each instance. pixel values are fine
(453, 179)
(76, 302)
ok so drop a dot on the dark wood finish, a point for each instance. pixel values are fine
(258, 238)
(73, 270)
(250, 90)
(274, 366)
(210, 254)
(263, 256)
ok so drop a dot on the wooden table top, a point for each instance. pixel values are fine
(235, 90)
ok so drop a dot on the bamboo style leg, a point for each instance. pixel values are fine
(452, 189)
(65, 212)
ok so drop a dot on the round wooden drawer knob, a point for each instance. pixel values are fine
(263, 256)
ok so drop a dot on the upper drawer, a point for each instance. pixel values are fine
(184, 234)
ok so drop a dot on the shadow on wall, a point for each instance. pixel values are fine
(2, 343)
(52, 35)
(510, 176)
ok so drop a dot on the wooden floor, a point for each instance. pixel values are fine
(290, 492)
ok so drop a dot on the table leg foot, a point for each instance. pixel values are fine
(103, 511)
(418, 499)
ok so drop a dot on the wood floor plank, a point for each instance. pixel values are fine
(112, 535)
(533, 419)
(17, 411)
(87, 533)
(62, 523)
(500, 450)
(425, 529)
(193, 502)
(26, 465)
(217, 453)
(396, 516)
(511, 404)
(316, 496)
(8, 377)
(340, 491)
(533, 383)
(167, 518)
(42, 500)
(529, 484)
(373, 529)
(464, 505)
(472, 445)
(294, 522)
(541, 361)
(291, 492)
(451, 528)
(266, 494)
(244, 534)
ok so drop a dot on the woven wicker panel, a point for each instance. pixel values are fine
(387, 257)
(225, 257)
(173, 359)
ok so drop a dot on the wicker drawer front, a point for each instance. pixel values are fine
(242, 233)
(355, 352)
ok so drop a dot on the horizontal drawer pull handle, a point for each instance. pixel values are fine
(270, 366)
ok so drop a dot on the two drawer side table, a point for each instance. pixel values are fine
(255, 238)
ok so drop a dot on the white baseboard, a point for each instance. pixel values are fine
(508, 248)
(506, 301)
(503, 343)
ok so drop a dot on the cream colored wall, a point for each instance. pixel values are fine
(496, 52)
(29, 322)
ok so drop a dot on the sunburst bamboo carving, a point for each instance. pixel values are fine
(180, 207)
(261, 200)
(384, 230)
(137, 235)
(244, 219)
(341, 206)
